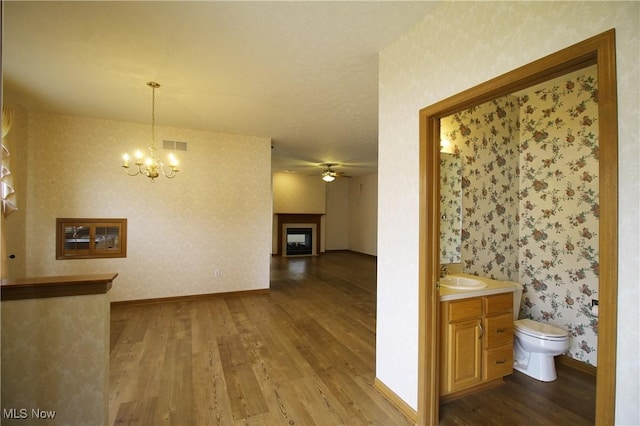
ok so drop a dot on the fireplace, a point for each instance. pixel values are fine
(299, 239)
(285, 221)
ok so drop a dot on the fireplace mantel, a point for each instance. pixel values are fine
(310, 218)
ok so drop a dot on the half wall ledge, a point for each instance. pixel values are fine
(55, 286)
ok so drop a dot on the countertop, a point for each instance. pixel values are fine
(56, 286)
(493, 287)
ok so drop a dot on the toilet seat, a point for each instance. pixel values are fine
(540, 330)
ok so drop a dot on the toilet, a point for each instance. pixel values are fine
(536, 344)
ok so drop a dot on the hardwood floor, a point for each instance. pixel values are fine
(302, 354)
(569, 400)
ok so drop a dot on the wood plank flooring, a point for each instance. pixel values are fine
(569, 400)
(302, 354)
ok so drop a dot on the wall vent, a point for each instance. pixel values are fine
(174, 145)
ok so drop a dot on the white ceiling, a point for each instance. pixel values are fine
(302, 73)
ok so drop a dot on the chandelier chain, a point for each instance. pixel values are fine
(153, 86)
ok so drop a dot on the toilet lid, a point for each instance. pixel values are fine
(535, 328)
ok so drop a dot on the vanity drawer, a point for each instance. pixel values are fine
(497, 362)
(498, 330)
(498, 303)
(463, 309)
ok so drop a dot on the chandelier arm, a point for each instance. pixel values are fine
(172, 170)
(126, 170)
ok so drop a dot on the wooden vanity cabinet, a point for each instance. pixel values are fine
(476, 341)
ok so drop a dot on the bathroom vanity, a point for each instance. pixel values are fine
(476, 335)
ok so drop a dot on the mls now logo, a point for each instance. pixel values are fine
(23, 413)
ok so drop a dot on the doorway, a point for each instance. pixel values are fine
(598, 50)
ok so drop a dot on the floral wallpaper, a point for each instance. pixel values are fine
(530, 200)
(559, 207)
(485, 138)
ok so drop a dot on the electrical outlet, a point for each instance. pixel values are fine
(217, 273)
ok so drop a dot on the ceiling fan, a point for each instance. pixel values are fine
(329, 174)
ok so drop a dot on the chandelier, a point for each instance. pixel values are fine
(150, 166)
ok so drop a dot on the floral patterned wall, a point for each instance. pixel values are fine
(450, 207)
(485, 138)
(530, 200)
(559, 207)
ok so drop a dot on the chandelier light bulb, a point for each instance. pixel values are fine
(173, 161)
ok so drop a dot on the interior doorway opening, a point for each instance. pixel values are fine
(598, 50)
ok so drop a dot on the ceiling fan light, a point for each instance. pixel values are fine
(328, 176)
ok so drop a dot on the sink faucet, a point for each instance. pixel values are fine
(443, 271)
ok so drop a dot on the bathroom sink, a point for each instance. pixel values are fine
(462, 283)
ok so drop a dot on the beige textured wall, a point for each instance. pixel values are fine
(363, 214)
(337, 220)
(55, 357)
(293, 193)
(213, 219)
(435, 60)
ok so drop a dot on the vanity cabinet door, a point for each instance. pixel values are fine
(464, 354)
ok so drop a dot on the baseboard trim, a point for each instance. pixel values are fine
(375, 256)
(394, 399)
(351, 251)
(577, 365)
(189, 298)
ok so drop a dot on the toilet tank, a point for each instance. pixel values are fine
(517, 299)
